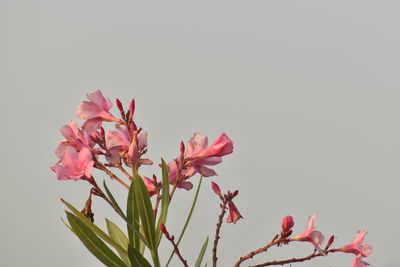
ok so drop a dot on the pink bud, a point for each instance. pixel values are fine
(216, 189)
(131, 109)
(287, 224)
(119, 105)
(330, 241)
(182, 148)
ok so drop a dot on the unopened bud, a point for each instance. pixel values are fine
(87, 210)
(287, 224)
(119, 105)
(216, 189)
(234, 194)
(330, 241)
(131, 109)
(164, 229)
(182, 148)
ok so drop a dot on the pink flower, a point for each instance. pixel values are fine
(197, 157)
(74, 137)
(98, 107)
(151, 187)
(287, 224)
(74, 165)
(310, 235)
(358, 262)
(121, 144)
(356, 247)
(197, 147)
(234, 214)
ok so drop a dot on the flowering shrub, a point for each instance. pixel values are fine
(148, 199)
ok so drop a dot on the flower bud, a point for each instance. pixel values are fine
(216, 189)
(287, 224)
(330, 241)
(119, 105)
(131, 109)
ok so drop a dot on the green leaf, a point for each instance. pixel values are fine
(164, 200)
(201, 254)
(114, 202)
(118, 236)
(93, 243)
(187, 220)
(146, 214)
(137, 258)
(132, 218)
(94, 228)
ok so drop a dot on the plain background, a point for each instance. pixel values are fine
(308, 91)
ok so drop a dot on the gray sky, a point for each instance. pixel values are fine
(308, 91)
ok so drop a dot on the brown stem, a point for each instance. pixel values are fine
(176, 249)
(217, 231)
(293, 260)
(274, 242)
(157, 204)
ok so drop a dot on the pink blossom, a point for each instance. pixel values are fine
(310, 235)
(98, 107)
(358, 262)
(198, 155)
(234, 214)
(287, 224)
(75, 165)
(74, 137)
(151, 187)
(356, 247)
(173, 174)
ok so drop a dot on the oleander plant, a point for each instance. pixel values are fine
(120, 153)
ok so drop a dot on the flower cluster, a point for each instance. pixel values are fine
(124, 149)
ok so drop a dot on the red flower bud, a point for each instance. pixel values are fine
(216, 189)
(287, 224)
(330, 241)
(119, 105)
(131, 109)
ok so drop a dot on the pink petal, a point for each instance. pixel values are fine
(98, 98)
(234, 214)
(206, 172)
(70, 157)
(196, 144)
(85, 156)
(185, 185)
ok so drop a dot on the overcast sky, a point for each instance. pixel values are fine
(307, 90)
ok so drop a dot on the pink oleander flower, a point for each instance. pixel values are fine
(75, 165)
(74, 137)
(234, 214)
(97, 108)
(310, 235)
(198, 155)
(358, 262)
(151, 186)
(287, 224)
(121, 144)
(356, 247)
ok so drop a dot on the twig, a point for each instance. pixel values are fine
(282, 262)
(274, 242)
(217, 230)
(172, 240)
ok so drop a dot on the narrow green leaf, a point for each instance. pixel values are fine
(201, 254)
(137, 258)
(83, 219)
(118, 236)
(132, 218)
(114, 202)
(93, 243)
(187, 220)
(164, 200)
(146, 216)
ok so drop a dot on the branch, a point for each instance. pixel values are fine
(217, 230)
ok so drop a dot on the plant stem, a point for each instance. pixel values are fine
(217, 231)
